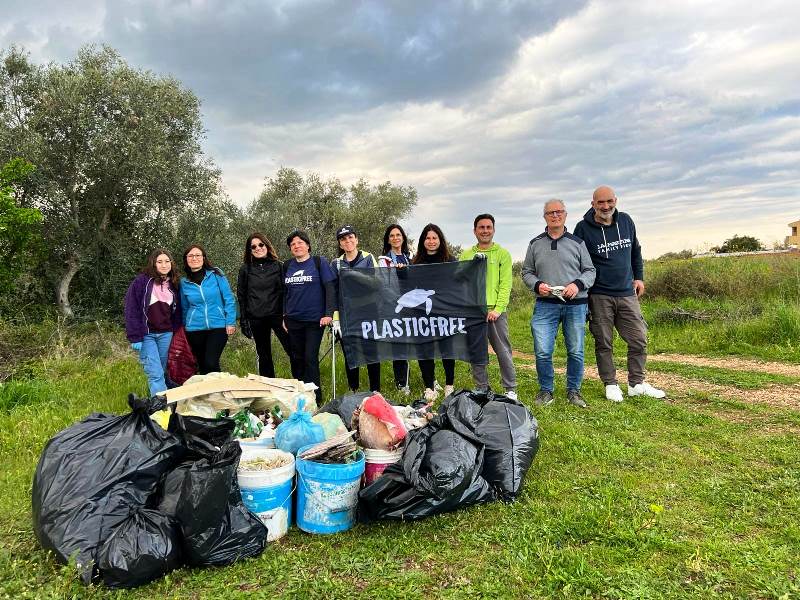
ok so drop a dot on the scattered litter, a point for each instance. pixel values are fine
(339, 449)
(264, 463)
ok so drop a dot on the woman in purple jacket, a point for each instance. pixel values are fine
(152, 313)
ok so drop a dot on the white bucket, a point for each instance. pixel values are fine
(268, 494)
(377, 461)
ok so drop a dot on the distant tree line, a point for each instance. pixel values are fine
(103, 162)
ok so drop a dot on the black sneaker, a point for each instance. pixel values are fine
(544, 398)
(574, 397)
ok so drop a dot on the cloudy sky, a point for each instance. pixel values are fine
(690, 110)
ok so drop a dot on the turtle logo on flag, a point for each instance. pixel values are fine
(414, 298)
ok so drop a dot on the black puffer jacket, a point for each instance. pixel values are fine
(259, 289)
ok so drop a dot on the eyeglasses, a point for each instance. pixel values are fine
(555, 213)
(194, 256)
(257, 246)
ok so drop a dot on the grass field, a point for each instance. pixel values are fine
(695, 497)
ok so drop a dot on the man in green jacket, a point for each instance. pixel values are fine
(498, 292)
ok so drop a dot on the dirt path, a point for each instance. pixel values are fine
(679, 387)
(734, 363)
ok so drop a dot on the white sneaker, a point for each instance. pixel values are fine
(448, 390)
(430, 395)
(645, 389)
(405, 390)
(436, 386)
(511, 395)
(614, 393)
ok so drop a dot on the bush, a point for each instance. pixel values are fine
(757, 278)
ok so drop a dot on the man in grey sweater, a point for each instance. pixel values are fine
(559, 270)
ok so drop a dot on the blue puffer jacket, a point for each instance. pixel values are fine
(210, 305)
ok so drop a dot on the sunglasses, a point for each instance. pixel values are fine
(257, 246)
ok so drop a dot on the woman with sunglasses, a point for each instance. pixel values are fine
(259, 290)
(396, 254)
(432, 249)
(152, 313)
(209, 308)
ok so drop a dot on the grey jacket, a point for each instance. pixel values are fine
(559, 261)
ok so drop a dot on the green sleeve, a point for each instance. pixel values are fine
(506, 281)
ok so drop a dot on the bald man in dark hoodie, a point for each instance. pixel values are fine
(610, 237)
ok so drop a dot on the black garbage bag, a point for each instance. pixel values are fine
(439, 472)
(142, 548)
(507, 430)
(94, 474)
(204, 496)
(345, 406)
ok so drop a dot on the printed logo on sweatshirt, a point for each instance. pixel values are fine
(298, 277)
(614, 246)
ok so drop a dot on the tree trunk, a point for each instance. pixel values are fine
(62, 292)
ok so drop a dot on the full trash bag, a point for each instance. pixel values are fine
(439, 472)
(345, 406)
(216, 527)
(507, 430)
(93, 475)
(298, 431)
(144, 547)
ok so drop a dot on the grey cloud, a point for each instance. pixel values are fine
(309, 60)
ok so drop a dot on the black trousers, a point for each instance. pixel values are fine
(427, 368)
(207, 346)
(262, 335)
(400, 368)
(373, 372)
(305, 338)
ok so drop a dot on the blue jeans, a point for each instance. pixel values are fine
(544, 327)
(153, 356)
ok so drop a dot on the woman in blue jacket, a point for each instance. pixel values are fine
(152, 313)
(208, 306)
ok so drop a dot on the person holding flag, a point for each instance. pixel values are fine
(351, 257)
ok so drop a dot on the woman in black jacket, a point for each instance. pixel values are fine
(260, 293)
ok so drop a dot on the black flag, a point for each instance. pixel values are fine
(416, 312)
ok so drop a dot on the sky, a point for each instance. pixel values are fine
(689, 110)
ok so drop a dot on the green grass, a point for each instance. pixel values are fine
(644, 499)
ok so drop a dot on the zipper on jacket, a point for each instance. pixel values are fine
(144, 304)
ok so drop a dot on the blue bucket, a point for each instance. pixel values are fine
(268, 494)
(327, 494)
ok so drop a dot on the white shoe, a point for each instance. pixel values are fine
(511, 395)
(614, 393)
(448, 390)
(405, 390)
(436, 386)
(430, 395)
(645, 389)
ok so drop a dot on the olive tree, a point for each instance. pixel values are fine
(117, 151)
(289, 201)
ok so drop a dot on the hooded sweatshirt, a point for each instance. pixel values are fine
(615, 252)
